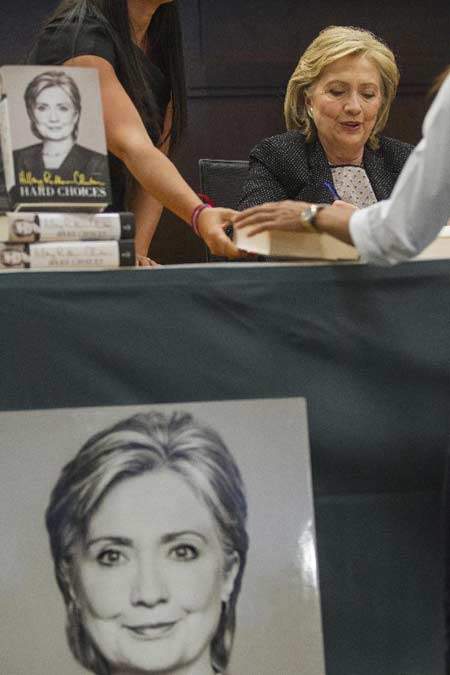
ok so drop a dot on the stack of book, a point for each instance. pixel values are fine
(54, 176)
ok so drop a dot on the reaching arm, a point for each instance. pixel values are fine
(128, 140)
(146, 208)
(287, 216)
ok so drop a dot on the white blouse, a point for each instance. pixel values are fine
(353, 185)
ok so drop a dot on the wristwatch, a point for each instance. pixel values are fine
(308, 216)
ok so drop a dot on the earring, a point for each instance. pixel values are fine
(310, 112)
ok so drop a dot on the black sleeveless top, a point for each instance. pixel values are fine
(55, 46)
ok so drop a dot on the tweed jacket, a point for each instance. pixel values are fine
(286, 167)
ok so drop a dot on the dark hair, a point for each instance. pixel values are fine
(52, 78)
(136, 445)
(164, 40)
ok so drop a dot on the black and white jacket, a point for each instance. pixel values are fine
(286, 167)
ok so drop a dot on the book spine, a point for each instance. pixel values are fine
(5, 141)
(68, 255)
(27, 227)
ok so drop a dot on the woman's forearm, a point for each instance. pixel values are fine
(334, 220)
(147, 211)
(159, 177)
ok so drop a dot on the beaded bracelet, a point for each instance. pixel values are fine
(195, 215)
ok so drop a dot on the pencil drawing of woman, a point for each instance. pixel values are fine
(147, 528)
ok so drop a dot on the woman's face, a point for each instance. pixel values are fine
(344, 104)
(54, 114)
(150, 579)
(24, 228)
(12, 258)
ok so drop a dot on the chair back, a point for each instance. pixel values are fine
(221, 180)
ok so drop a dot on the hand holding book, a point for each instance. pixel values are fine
(286, 216)
(212, 223)
(296, 229)
(145, 261)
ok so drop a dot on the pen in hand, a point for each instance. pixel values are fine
(330, 187)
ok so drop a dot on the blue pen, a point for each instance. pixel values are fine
(331, 188)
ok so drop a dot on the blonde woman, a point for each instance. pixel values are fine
(395, 229)
(337, 104)
(147, 528)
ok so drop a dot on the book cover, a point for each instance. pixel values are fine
(215, 496)
(67, 255)
(277, 244)
(52, 139)
(26, 227)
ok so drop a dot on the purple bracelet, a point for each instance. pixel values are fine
(195, 215)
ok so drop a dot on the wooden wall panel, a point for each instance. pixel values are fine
(239, 57)
(19, 19)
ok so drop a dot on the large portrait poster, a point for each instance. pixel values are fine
(149, 549)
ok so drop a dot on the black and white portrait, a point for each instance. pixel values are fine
(54, 107)
(174, 539)
(13, 257)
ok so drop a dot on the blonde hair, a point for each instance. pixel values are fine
(331, 44)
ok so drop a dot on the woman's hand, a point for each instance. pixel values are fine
(285, 215)
(144, 261)
(211, 226)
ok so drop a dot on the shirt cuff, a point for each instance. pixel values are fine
(361, 232)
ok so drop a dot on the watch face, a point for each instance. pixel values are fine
(312, 213)
(307, 217)
(307, 214)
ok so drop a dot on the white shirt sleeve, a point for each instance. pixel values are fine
(399, 228)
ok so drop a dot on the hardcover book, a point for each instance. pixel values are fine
(53, 140)
(25, 227)
(308, 245)
(67, 255)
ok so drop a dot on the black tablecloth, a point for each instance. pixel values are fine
(367, 347)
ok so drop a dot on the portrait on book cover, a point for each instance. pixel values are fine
(175, 538)
(13, 257)
(57, 127)
(24, 227)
